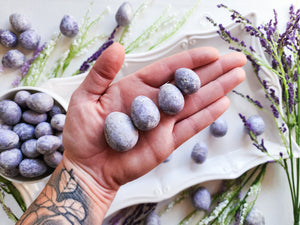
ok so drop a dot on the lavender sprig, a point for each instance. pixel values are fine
(139, 214)
(282, 49)
(37, 66)
(89, 62)
(26, 66)
(24, 69)
(249, 99)
(132, 215)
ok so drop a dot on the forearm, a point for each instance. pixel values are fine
(70, 197)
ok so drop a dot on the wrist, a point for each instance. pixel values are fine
(71, 194)
(98, 197)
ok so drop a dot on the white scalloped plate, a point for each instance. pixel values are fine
(228, 157)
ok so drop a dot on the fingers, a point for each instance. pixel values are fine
(190, 126)
(211, 92)
(162, 71)
(224, 64)
(103, 71)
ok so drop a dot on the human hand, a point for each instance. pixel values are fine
(83, 137)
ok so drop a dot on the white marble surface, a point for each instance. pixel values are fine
(45, 15)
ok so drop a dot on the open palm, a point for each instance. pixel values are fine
(96, 97)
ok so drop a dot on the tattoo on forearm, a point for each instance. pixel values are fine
(61, 202)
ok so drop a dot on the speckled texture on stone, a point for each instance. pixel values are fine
(187, 81)
(124, 14)
(31, 168)
(69, 26)
(40, 102)
(8, 139)
(13, 59)
(120, 133)
(10, 112)
(170, 99)
(144, 113)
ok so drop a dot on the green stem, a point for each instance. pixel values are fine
(7, 210)
(14, 192)
(298, 133)
(286, 169)
(145, 35)
(176, 27)
(187, 218)
(233, 195)
(292, 166)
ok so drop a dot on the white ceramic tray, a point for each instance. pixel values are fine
(228, 157)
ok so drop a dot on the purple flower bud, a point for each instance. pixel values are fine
(273, 96)
(281, 154)
(291, 101)
(274, 111)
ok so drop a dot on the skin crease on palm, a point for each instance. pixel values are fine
(85, 147)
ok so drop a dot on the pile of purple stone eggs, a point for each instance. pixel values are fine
(31, 125)
(22, 34)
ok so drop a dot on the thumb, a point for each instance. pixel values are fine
(104, 71)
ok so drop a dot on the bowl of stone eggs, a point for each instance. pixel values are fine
(31, 125)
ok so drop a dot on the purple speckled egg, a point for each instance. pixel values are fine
(43, 128)
(13, 59)
(256, 124)
(201, 199)
(8, 39)
(199, 152)
(29, 39)
(170, 99)
(32, 117)
(28, 148)
(24, 131)
(144, 113)
(69, 26)
(31, 168)
(219, 127)
(120, 133)
(21, 97)
(10, 112)
(53, 159)
(10, 158)
(58, 122)
(40, 102)
(19, 22)
(48, 144)
(124, 14)
(8, 139)
(187, 80)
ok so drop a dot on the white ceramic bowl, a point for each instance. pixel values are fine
(57, 101)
